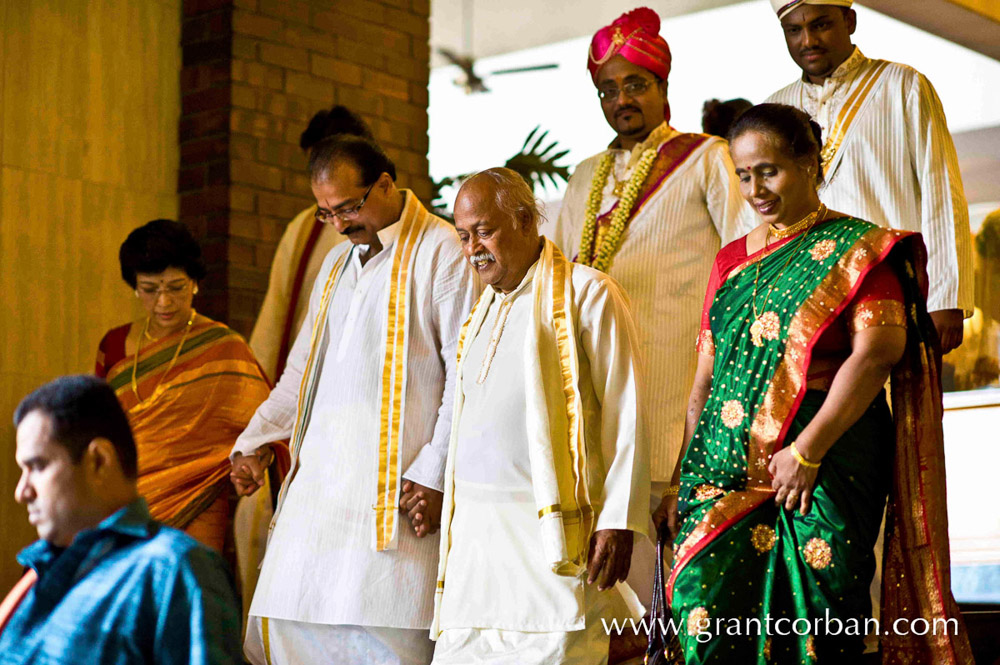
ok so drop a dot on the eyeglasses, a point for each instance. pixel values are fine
(632, 89)
(172, 290)
(346, 214)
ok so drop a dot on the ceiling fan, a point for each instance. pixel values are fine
(470, 81)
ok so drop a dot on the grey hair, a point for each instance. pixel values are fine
(512, 193)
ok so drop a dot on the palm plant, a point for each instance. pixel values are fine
(534, 162)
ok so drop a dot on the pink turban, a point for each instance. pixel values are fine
(635, 36)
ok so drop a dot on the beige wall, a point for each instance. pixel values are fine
(89, 102)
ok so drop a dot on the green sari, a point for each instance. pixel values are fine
(754, 583)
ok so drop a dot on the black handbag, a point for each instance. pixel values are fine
(664, 646)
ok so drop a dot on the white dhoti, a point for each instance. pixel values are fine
(281, 642)
(510, 607)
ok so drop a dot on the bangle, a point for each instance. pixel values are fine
(802, 460)
(672, 490)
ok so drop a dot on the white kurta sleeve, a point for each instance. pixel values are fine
(608, 338)
(455, 290)
(731, 214)
(944, 211)
(275, 417)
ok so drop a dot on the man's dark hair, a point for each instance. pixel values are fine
(158, 245)
(718, 116)
(80, 409)
(798, 134)
(330, 122)
(363, 152)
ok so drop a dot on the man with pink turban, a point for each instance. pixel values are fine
(652, 211)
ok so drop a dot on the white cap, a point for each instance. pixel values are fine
(783, 7)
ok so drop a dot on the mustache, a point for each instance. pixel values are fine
(631, 108)
(481, 257)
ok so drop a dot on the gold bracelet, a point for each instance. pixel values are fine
(672, 490)
(802, 460)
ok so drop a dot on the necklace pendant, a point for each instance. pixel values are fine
(619, 189)
(767, 326)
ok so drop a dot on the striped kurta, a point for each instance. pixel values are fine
(321, 566)
(663, 264)
(896, 165)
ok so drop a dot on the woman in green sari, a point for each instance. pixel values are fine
(791, 446)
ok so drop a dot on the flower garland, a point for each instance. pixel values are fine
(607, 245)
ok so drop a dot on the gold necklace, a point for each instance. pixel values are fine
(135, 360)
(767, 325)
(781, 234)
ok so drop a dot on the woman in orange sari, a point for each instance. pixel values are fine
(188, 384)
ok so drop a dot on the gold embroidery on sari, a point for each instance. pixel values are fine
(706, 492)
(823, 249)
(875, 313)
(697, 621)
(817, 553)
(706, 343)
(763, 537)
(732, 414)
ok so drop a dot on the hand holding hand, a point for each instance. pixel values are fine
(423, 506)
(248, 471)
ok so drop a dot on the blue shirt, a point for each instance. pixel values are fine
(128, 591)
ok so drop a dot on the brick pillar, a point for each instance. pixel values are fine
(254, 72)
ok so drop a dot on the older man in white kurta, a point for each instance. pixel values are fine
(366, 399)
(548, 477)
(888, 157)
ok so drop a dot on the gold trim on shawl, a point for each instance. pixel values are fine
(393, 384)
(298, 432)
(848, 113)
(566, 344)
(266, 638)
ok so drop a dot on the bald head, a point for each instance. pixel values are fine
(497, 217)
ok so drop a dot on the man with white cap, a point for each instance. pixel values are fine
(887, 156)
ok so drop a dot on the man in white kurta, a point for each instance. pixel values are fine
(888, 157)
(342, 581)
(513, 588)
(686, 205)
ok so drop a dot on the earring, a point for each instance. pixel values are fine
(194, 291)
(137, 293)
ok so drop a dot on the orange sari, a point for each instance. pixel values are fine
(187, 421)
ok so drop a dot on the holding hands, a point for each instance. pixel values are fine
(248, 471)
(423, 506)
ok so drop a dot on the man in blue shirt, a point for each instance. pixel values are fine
(113, 586)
